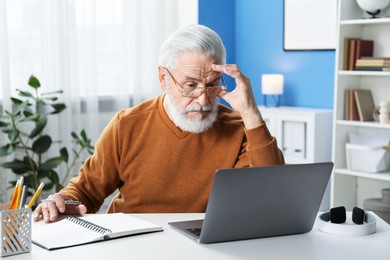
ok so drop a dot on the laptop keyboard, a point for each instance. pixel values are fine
(195, 231)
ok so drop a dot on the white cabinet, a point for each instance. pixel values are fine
(350, 188)
(304, 134)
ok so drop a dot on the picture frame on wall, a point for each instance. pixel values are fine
(310, 24)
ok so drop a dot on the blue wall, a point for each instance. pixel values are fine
(252, 31)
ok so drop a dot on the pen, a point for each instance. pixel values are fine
(36, 194)
(67, 202)
(23, 197)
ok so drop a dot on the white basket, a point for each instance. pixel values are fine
(367, 158)
(15, 231)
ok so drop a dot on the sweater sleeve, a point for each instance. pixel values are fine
(259, 149)
(98, 177)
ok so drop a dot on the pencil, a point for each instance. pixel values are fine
(36, 194)
(19, 194)
(14, 194)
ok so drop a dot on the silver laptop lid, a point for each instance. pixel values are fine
(264, 201)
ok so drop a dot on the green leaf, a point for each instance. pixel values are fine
(53, 92)
(41, 103)
(30, 117)
(42, 144)
(75, 137)
(58, 108)
(43, 173)
(84, 135)
(34, 82)
(64, 153)
(25, 93)
(91, 150)
(53, 176)
(17, 166)
(20, 107)
(30, 163)
(51, 163)
(39, 127)
(31, 182)
(3, 124)
(6, 150)
(50, 98)
(16, 101)
(7, 129)
(48, 186)
(13, 135)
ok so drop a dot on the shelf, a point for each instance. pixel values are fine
(348, 187)
(362, 124)
(385, 176)
(363, 73)
(365, 21)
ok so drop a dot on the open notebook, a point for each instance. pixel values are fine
(72, 230)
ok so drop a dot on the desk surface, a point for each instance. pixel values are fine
(171, 244)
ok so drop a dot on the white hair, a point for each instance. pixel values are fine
(191, 38)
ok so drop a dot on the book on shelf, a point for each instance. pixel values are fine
(351, 54)
(373, 61)
(76, 230)
(365, 104)
(354, 49)
(373, 64)
(347, 41)
(372, 68)
(350, 112)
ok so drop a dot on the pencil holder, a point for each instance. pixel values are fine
(15, 230)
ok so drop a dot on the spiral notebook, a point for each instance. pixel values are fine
(73, 230)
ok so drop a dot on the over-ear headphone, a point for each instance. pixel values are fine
(338, 215)
(335, 222)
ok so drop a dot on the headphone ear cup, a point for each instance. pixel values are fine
(337, 215)
(358, 215)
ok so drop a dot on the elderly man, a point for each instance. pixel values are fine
(162, 154)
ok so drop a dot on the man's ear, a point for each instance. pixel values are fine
(161, 77)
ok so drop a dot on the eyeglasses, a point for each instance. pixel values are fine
(191, 90)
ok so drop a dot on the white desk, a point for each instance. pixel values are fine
(171, 244)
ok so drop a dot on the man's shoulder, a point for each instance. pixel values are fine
(140, 110)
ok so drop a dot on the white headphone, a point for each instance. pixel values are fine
(335, 222)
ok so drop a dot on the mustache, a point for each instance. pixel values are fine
(198, 108)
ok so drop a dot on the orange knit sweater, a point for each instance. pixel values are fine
(159, 168)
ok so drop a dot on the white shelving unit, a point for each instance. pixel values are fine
(350, 188)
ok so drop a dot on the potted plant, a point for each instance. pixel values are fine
(29, 143)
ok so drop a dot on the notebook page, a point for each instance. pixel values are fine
(122, 224)
(62, 234)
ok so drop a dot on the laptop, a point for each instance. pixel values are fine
(257, 202)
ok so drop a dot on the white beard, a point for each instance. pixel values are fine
(196, 124)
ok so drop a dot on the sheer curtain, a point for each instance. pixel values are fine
(102, 54)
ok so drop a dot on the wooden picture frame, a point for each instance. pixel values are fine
(310, 24)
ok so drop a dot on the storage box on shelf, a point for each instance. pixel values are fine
(350, 187)
(367, 158)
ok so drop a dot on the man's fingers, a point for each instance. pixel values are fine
(229, 69)
(37, 213)
(76, 209)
